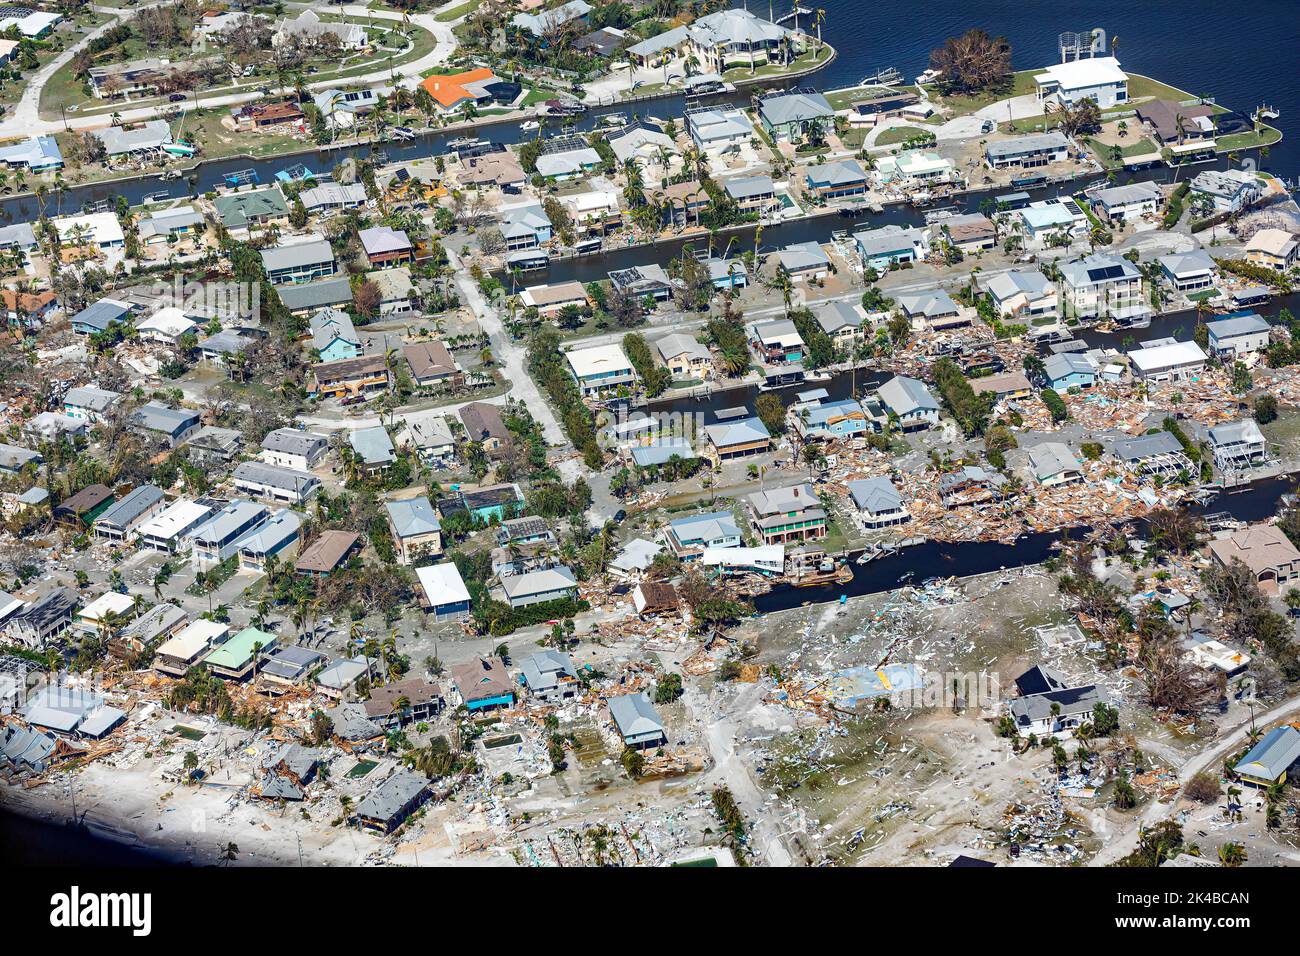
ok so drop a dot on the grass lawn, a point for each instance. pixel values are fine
(899, 134)
(962, 104)
(1139, 147)
(1143, 87)
(809, 59)
(455, 13)
(843, 99)
(1266, 137)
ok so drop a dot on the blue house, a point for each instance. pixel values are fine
(688, 537)
(889, 245)
(334, 336)
(1069, 370)
(97, 316)
(841, 419)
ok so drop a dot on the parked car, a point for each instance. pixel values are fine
(176, 98)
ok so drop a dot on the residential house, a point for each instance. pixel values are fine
(1238, 446)
(796, 115)
(830, 420)
(1170, 362)
(294, 448)
(889, 246)
(327, 552)
(1066, 370)
(684, 357)
(545, 23)
(804, 262)
(752, 193)
(171, 530)
(218, 539)
(934, 310)
(1265, 550)
(970, 233)
(443, 592)
(878, 501)
(1238, 335)
(1270, 762)
(1123, 204)
(1055, 713)
(1227, 190)
(1103, 286)
(1028, 152)
(389, 805)
(402, 702)
(241, 211)
(690, 537)
(299, 262)
(333, 335)
(783, 515)
(171, 225)
(716, 131)
(914, 167)
(1026, 296)
(1158, 453)
(1052, 463)
(525, 227)
(1004, 386)
(260, 479)
(737, 438)
(311, 297)
(173, 425)
(637, 722)
(1097, 78)
(385, 246)
(1272, 249)
(644, 283)
(88, 403)
(1190, 272)
(331, 197)
(39, 154)
(346, 378)
(432, 365)
(600, 369)
(372, 449)
(395, 287)
(549, 675)
(118, 522)
(80, 510)
(415, 528)
(43, 621)
(908, 400)
(844, 323)
(551, 300)
(776, 341)
(483, 424)
(237, 658)
(98, 316)
(181, 652)
(429, 435)
(483, 684)
(278, 537)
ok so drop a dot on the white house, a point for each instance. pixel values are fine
(600, 368)
(1167, 362)
(1190, 272)
(1238, 335)
(1102, 285)
(1228, 190)
(1095, 78)
(1127, 203)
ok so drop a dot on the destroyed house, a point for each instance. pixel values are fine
(970, 485)
(1238, 446)
(1159, 453)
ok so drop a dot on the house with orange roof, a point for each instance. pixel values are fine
(451, 93)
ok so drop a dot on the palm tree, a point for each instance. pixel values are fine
(1232, 855)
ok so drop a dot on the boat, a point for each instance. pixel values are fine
(403, 133)
(920, 198)
(169, 175)
(886, 77)
(530, 125)
(461, 142)
(614, 119)
(827, 572)
(160, 196)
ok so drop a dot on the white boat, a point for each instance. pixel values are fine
(530, 124)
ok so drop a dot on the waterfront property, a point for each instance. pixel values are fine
(830, 420)
(1238, 446)
(878, 502)
(690, 537)
(1273, 249)
(1170, 362)
(1103, 286)
(1028, 152)
(1123, 204)
(1265, 550)
(1091, 78)
(600, 369)
(785, 515)
(890, 245)
(910, 402)
(837, 180)
(1227, 190)
(1066, 370)
(1238, 336)
(1025, 295)
(796, 115)
(1190, 272)
(776, 341)
(684, 357)
(737, 438)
